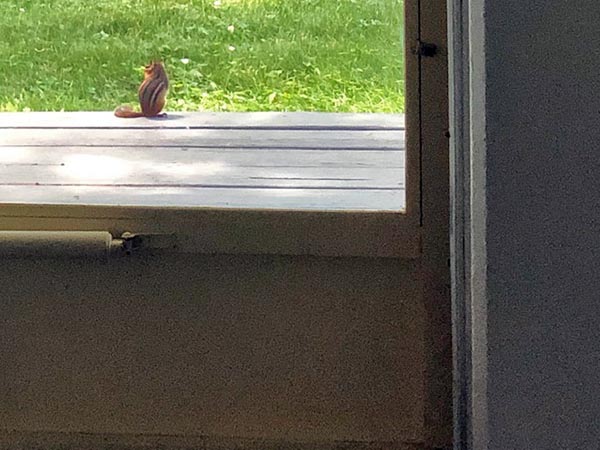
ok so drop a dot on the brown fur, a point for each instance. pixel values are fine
(152, 93)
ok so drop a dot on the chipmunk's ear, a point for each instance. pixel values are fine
(149, 68)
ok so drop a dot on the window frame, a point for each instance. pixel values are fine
(290, 232)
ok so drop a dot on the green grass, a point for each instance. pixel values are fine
(311, 55)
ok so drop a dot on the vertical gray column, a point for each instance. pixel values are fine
(532, 259)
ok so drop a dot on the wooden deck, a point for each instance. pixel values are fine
(254, 160)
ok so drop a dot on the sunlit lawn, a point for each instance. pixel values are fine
(232, 55)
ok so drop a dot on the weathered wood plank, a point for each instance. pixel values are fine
(309, 199)
(204, 175)
(238, 157)
(242, 160)
(282, 139)
(287, 120)
(163, 166)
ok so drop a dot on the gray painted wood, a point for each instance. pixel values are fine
(200, 166)
(240, 197)
(199, 138)
(241, 157)
(286, 120)
(320, 161)
(205, 175)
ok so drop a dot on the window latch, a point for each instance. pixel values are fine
(427, 49)
(131, 243)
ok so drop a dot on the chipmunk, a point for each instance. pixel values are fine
(152, 93)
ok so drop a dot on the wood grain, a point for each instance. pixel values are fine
(255, 120)
(255, 160)
(202, 138)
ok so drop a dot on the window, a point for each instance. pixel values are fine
(273, 210)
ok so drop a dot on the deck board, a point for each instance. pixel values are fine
(255, 120)
(202, 138)
(256, 160)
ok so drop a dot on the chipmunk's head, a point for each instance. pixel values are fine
(155, 68)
